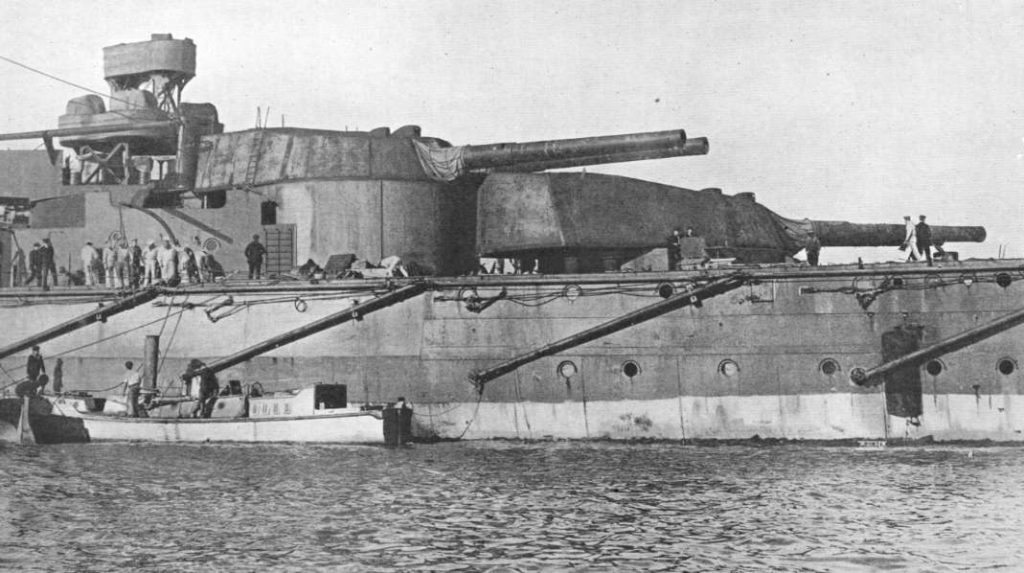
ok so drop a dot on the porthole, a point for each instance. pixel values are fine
(828, 367)
(567, 369)
(572, 292)
(666, 290)
(1003, 279)
(1006, 366)
(211, 245)
(897, 282)
(728, 368)
(630, 368)
(934, 367)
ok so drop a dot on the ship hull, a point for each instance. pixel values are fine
(334, 429)
(769, 360)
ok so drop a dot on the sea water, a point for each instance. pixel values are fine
(477, 506)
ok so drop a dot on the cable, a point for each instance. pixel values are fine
(163, 355)
(112, 336)
(63, 81)
(476, 410)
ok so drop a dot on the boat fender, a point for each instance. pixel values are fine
(397, 423)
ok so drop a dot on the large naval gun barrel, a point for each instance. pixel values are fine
(582, 151)
(844, 234)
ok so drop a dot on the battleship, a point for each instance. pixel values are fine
(502, 299)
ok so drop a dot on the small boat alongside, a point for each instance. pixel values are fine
(320, 413)
(33, 420)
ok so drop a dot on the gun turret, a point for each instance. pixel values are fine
(592, 222)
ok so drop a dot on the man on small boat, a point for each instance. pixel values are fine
(199, 374)
(34, 366)
(31, 387)
(132, 386)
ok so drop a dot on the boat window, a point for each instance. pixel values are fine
(331, 396)
(934, 367)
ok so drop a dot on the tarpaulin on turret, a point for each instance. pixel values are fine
(440, 163)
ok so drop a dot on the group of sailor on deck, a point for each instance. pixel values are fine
(122, 264)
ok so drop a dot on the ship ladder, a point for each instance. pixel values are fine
(254, 158)
(692, 297)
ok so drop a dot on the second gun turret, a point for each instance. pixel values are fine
(596, 222)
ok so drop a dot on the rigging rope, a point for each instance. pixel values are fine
(81, 87)
(163, 355)
(476, 410)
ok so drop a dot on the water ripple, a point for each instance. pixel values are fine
(496, 506)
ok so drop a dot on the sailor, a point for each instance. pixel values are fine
(46, 263)
(89, 259)
(58, 376)
(924, 239)
(149, 259)
(184, 261)
(122, 262)
(674, 245)
(254, 253)
(35, 366)
(135, 268)
(109, 264)
(200, 256)
(168, 259)
(813, 248)
(206, 381)
(910, 240)
(190, 268)
(31, 387)
(34, 267)
(132, 386)
(17, 267)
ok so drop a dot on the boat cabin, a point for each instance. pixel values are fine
(315, 400)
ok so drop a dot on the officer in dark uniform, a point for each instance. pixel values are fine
(35, 366)
(924, 239)
(254, 253)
